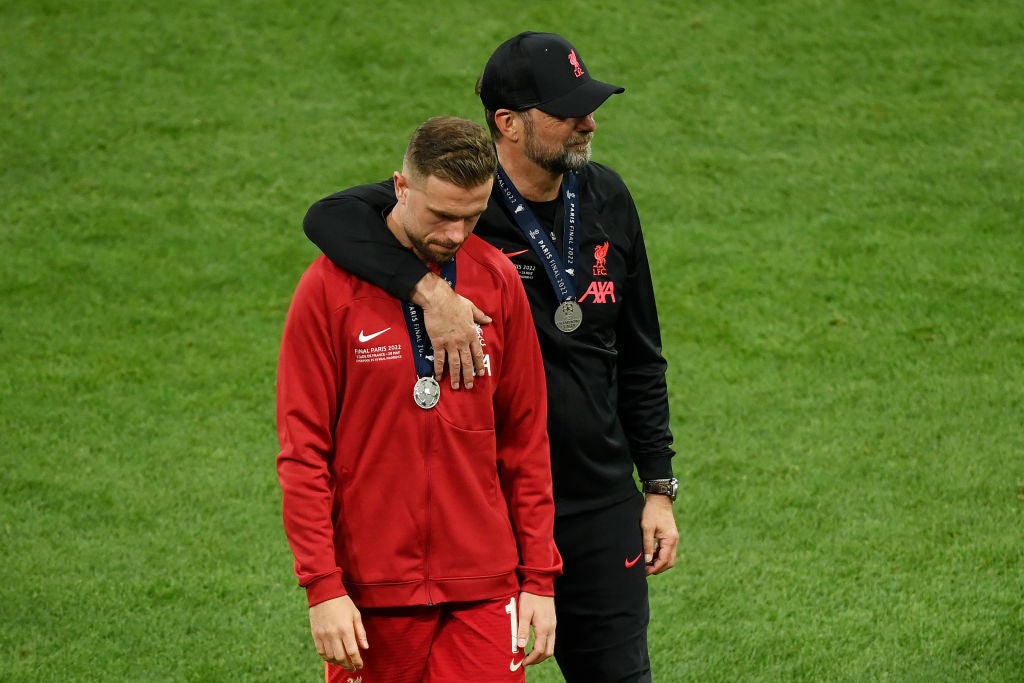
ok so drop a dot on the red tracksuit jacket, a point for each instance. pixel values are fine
(393, 504)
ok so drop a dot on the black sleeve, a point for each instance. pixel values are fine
(643, 392)
(349, 228)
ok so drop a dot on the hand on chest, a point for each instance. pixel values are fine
(384, 357)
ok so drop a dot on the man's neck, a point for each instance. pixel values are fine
(534, 183)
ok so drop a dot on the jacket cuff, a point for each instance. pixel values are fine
(538, 584)
(325, 588)
(655, 467)
(404, 282)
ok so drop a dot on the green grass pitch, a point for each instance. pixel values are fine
(832, 196)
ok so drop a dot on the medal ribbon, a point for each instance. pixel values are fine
(418, 333)
(561, 273)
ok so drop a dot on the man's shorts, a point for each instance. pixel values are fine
(450, 643)
(601, 598)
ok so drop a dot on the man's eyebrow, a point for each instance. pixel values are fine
(447, 214)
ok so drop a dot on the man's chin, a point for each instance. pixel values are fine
(441, 256)
(577, 159)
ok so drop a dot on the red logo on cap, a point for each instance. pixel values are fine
(574, 60)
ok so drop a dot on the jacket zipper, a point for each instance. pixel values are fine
(427, 526)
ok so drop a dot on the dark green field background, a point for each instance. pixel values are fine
(832, 196)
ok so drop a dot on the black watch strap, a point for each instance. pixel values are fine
(663, 487)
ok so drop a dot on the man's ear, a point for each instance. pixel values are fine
(401, 186)
(508, 124)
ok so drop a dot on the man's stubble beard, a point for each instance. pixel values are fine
(559, 162)
(428, 252)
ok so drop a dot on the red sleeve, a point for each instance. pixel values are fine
(523, 452)
(307, 410)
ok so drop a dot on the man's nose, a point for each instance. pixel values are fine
(586, 124)
(457, 230)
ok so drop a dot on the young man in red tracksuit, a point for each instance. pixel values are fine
(420, 517)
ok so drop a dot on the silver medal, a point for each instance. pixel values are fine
(426, 393)
(568, 316)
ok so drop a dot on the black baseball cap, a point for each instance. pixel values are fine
(541, 70)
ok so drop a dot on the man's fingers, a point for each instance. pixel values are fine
(477, 361)
(475, 349)
(523, 634)
(451, 326)
(352, 652)
(537, 613)
(658, 565)
(543, 646)
(439, 356)
(465, 367)
(338, 632)
(665, 557)
(334, 653)
(350, 660)
(480, 318)
(352, 641)
(649, 545)
(464, 363)
(364, 643)
(660, 534)
(536, 656)
(343, 663)
(456, 356)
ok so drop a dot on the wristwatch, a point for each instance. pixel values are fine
(663, 487)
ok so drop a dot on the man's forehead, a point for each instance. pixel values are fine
(440, 191)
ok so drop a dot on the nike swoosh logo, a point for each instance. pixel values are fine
(514, 253)
(514, 665)
(367, 337)
(630, 563)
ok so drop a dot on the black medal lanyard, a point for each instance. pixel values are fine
(426, 392)
(561, 270)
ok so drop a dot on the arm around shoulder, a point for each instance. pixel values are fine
(353, 234)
